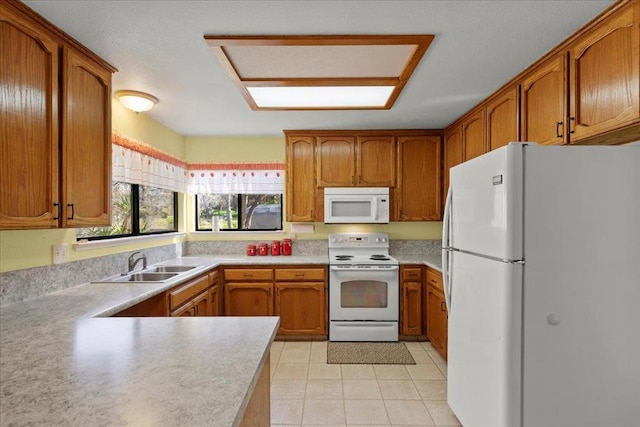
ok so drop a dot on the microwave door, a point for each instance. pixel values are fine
(351, 209)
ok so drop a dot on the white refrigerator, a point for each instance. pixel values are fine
(541, 263)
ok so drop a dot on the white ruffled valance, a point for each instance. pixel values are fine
(237, 179)
(135, 162)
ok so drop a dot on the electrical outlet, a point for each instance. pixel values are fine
(60, 253)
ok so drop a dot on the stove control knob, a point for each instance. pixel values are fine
(384, 240)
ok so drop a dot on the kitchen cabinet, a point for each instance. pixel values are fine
(301, 300)
(436, 312)
(335, 161)
(248, 292)
(55, 162)
(453, 155)
(301, 193)
(297, 294)
(604, 75)
(376, 161)
(544, 103)
(155, 306)
(502, 119)
(473, 135)
(190, 298)
(419, 178)
(215, 295)
(411, 300)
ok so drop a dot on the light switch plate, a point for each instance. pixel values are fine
(60, 253)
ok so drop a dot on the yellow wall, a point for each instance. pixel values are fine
(234, 149)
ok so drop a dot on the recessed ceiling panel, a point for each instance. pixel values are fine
(298, 72)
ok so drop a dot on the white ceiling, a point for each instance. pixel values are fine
(158, 47)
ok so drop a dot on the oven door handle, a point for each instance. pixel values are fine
(364, 270)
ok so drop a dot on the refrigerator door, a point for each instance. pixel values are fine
(486, 204)
(484, 344)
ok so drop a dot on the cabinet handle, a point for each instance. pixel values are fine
(248, 276)
(195, 310)
(442, 307)
(558, 134)
(270, 292)
(299, 274)
(73, 210)
(572, 120)
(58, 206)
(278, 292)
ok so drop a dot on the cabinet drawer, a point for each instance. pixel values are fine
(248, 274)
(293, 274)
(213, 277)
(186, 292)
(412, 273)
(434, 278)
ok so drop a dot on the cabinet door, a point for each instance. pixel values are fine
(188, 310)
(202, 304)
(544, 103)
(301, 184)
(437, 320)
(86, 142)
(453, 154)
(302, 308)
(473, 135)
(29, 121)
(411, 308)
(502, 119)
(376, 161)
(248, 299)
(419, 166)
(604, 76)
(336, 161)
(214, 301)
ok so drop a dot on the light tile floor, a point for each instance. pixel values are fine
(306, 391)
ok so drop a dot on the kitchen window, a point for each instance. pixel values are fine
(137, 210)
(239, 212)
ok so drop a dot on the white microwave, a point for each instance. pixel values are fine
(356, 205)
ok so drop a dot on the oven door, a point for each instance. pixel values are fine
(364, 293)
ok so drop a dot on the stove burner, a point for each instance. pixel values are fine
(344, 257)
(380, 258)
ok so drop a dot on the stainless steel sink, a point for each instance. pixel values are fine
(172, 268)
(146, 277)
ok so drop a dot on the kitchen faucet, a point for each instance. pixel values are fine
(134, 261)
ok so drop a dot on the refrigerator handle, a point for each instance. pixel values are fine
(446, 248)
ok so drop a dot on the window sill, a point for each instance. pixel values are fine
(98, 244)
(234, 233)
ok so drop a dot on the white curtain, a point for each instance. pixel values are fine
(236, 179)
(135, 162)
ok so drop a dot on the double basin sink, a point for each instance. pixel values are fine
(158, 273)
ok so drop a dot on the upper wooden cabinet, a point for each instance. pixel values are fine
(502, 119)
(544, 103)
(335, 165)
(419, 178)
(453, 155)
(473, 135)
(55, 163)
(301, 185)
(376, 161)
(604, 76)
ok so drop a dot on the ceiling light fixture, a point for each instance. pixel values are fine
(136, 101)
(320, 72)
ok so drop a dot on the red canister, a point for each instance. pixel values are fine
(275, 247)
(251, 250)
(263, 249)
(286, 247)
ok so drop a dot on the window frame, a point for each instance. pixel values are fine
(240, 217)
(135, 217)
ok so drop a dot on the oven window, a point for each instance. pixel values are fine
(363, 294)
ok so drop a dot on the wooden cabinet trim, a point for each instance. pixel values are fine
(246, 274)
(187, 291)
(300, 274)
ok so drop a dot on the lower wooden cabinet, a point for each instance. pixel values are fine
(436, 312)
(411, 300)
(248, 299)
(302, 308)
(215, 295)
(297, 294)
